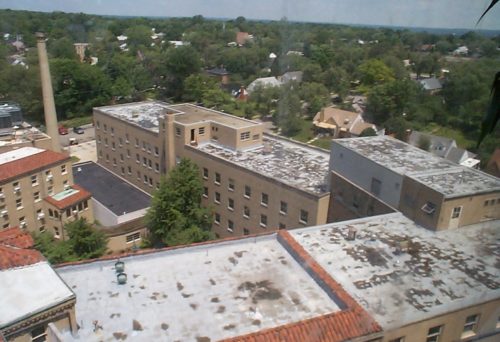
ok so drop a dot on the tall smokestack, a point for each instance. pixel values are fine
(48, 94)
(170, 150)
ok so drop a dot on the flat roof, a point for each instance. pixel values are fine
(146, 114)
(206, 292)
(113, 192)
(441, 271)
(294, 164)
(28, 290)
(444, 176)
(14, 155)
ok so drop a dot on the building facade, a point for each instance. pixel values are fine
(434, 192)
(37, 191)
(252, 181)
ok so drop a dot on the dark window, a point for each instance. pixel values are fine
(248, 191)
(376, 186)
(304, 216)
(283, 207)
(264, 200)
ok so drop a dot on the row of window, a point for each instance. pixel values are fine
(492, 201)
(434, 334)
(34, 180)
(303, 217)
(230, 224)
(69, 211)
(145, 146)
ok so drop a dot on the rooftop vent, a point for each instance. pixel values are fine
(351, 234)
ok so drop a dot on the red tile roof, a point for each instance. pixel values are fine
(349, 323)
(81, 195)
(14, 249)
(30, 164)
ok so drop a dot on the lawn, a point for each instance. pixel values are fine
(305, 134)
(74, 122)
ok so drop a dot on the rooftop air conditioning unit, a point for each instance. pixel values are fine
(4, 212)
(2, 195)
(17, 189)
(49, 177)
(41, 216)
(66, 186)
(23, 224)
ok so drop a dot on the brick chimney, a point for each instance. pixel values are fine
(48, 94)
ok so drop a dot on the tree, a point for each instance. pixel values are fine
(176, 215)
(84, 242)
(374, 71)
(368, 132)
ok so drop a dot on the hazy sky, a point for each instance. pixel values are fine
(420, 13)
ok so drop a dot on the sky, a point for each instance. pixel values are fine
(411, 13)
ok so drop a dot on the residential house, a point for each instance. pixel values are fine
(432, 85)
(340, 123)
(243, 37)
(220, 73)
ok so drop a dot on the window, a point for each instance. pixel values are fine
(34, 180)
(230, 226)
(85, 204)
(144, 161)
(248, 191)
(123, 170)
(138, 175)
(120, 141)
(129, 170)
(56, 233)
(126, 138)
(133, 237)
(113, 146)
(157, 151)
(112, 131)
(105, 128)
(456, 212)
(201, 131)
(230, 204)
(429, 208)
(217, 218)
(98, 139)
(399, 339)
(19, 203)
(433, 334)
(205, 173)
(143, 145)
(283, 208)
(205, 192)
(217, 197)
(114, 161)
(375, 187)
(263, 220)
(36, 196)
(145, 179)
(107, 157)
(137, 158)
(68, 212)
(150, 163)
(39, 334)
(105, 141)
(256, 136)
(244, 136)
(128, 153)
(246, 212)
(230, 184)
(50, 190)
(282, 226)
(136, 142)
(264, 199)
(178, 131)
(470, 325)
(304, 216)
(51, 213)
(157, 167)
(246, 231)
(121, 157)
(217, 178)
(98, 124)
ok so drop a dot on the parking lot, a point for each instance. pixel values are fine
(88, 135)
(85, 150)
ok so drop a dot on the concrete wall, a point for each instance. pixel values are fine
(361, 171)
(103, 215)
(487, 330)
(348, 201)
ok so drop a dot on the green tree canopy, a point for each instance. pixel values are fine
(176, 215)
(374, 71)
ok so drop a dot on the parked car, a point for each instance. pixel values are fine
(78, 130)
(62, 130)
